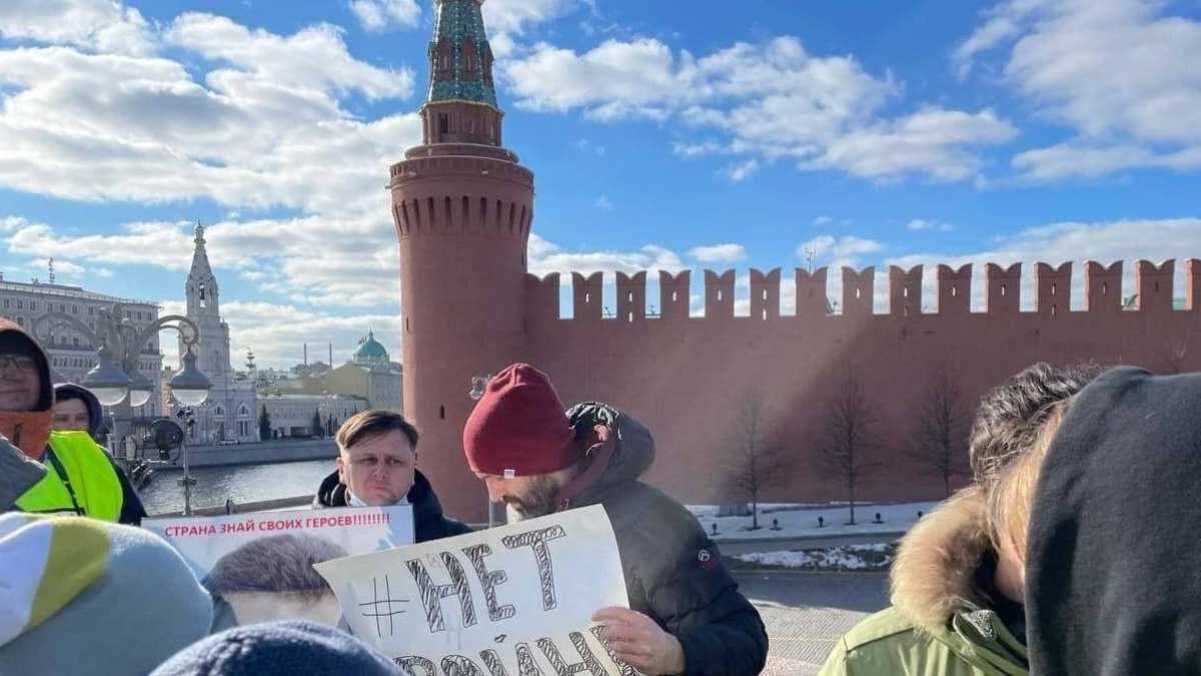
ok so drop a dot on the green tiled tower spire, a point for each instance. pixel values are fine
(459, 54)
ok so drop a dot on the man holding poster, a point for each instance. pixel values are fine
(377, 467)
(685, 613)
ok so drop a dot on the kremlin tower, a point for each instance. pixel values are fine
(463, 206)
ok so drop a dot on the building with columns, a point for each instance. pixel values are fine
(54, 309)
(229, 415)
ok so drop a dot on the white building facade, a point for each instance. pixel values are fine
(49, 312)
(297, 415)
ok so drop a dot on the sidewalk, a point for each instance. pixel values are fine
(801, 522)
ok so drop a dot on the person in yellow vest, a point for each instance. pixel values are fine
(81, 478)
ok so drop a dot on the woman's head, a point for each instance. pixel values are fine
(76, 408)
(1008, 502)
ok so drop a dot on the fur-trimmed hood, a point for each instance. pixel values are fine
(934, 574)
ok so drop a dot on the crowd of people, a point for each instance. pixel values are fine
(1068, 553)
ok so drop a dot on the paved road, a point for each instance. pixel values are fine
(805, 613)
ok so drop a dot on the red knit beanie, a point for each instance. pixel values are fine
(518, 427)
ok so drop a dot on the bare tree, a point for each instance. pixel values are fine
(939, 441)
(753, 464)
(849, 445)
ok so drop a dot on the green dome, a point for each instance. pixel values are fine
(370, 351)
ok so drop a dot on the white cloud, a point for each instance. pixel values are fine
(719, 253)
(920, 224)
(822, 220)
(294, 258)
(589, 147)
(1056, 243)
(937, 142)
(315, 58)
(737, 173)
(603, 203)
(845, 248)
(515, 16)
(243, 138)
(547, 257)
(95, 25)
(1070, 160)
(1119, 73)
(767, 101)
(377, 16)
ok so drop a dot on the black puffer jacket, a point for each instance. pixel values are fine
(673, 571)
(428, 520)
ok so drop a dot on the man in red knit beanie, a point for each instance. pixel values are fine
(686, 615)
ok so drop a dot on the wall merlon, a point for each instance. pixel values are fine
(811, 299)
(586, 296)
(1003, 293)
(1103, 287)
(1193, 281)
(905, 291)
(675, 294)
(631, 296)
(955, 290)
(765, 294)
(858, 292)
(719, 294)
(542, 297)
(1053, 294)
(1154, 285)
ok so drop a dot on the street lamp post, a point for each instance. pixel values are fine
(479, 385)
(116, 375)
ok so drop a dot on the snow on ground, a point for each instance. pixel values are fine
(853, 557)
(801, 520)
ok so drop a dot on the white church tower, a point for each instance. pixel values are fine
(229, 413)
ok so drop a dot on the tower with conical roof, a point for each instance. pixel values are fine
(462, 205)
(227, 413)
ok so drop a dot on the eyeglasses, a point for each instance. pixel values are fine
(17, 361)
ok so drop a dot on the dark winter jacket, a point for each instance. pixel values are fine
(673, 572)
(428, 521)
(1112, 553)
(946, 618)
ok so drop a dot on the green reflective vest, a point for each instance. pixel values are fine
(81, 480)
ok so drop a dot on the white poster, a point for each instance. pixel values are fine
(513, 600)
(259, 566)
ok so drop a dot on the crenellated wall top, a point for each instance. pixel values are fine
(953, 289)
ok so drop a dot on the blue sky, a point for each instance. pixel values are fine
(728, 135)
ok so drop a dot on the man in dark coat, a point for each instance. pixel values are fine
(686, 615)
(377, 458)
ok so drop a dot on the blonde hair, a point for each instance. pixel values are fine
(1010, 497)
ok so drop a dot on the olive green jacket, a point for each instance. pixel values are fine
(937, 625)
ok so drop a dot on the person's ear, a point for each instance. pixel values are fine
(341, 468)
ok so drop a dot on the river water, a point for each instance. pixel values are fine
(243, 483)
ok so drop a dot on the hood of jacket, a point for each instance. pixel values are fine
(29, 430)
(1112, 557)
(617, 450)
(934, 574)
(72, 577)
